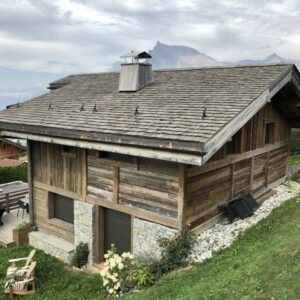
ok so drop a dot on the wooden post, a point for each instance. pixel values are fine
(7, 203)
(182, 185)
(84, 175)
(251, 173)
(99, 232)
(30, 181)
(232, 181)
(267, 169)
(116, 184)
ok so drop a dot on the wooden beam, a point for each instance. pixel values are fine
(55, 190)
(179, 157)
(251, 173)
(116, 179)
(142, 214)
(182, 186)
(232, 181)
(30, 181)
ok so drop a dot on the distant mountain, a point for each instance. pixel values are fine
(271, 59)
(165, 57)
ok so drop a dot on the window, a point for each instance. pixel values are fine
(117, 157)
(61, 207)
(69, 151)
(229, 147)
(269, 133)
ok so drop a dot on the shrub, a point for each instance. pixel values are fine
(122, 273)
(13, 174)
(174, 252)
(22, 226)
(81, 255)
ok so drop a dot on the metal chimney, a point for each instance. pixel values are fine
(137, 73)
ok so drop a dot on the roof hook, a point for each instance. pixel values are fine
(136, 110)
(18, 105)
(204, 115)
(82, 107)
(95, 109)
(50, 106)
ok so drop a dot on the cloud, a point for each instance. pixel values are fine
(71, 36)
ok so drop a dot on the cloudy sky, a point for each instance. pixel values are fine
(41, 40)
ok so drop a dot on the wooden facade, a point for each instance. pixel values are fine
(10, 150)
(168, 193)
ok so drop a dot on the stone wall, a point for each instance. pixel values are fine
(84, 225)
(145, 238)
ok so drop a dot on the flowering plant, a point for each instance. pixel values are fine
(116, 270)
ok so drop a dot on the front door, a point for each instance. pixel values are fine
(117, 230)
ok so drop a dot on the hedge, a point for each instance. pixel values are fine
(13, 174)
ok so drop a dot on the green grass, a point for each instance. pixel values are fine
(55, 281)
(264, 263)
(294, 159)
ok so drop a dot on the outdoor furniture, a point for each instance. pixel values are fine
(12, 270)
(23, 286)
(2, 211)
(23, 205)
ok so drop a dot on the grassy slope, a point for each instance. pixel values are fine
(294, 159)
(263, 264)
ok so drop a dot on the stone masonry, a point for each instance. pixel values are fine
(145, 238)
(84, 225)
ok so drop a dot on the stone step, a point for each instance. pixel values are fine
(52, 245)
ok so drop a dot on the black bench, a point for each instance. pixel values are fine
(242, 207)
(2, 211)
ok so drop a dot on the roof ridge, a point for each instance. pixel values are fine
(185, 69)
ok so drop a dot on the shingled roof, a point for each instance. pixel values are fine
(170, 111)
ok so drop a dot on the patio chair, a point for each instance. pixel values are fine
(24, 286)
(14, 270)
(22, 206)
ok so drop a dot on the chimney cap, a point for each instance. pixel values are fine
(137, 55)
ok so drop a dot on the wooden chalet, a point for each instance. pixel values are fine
(10, 149)
(126, 162)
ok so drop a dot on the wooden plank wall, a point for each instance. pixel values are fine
(254, 168)
(57, 172)
(148, 186)
(252, 134)
(9, 151)
(53, 167)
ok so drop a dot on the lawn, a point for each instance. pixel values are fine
(294, 159)
(264, 263)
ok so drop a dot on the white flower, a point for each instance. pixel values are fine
(105, 282)
(117, 285)
(121, 266)
(106, 256)
(111, 291)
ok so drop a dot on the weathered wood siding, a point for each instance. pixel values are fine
(256, 168)
(9, 151)
(53, 167)
(57, 172)
(146, 186)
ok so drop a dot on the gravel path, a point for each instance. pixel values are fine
(223, 234)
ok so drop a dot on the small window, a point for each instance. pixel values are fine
(269, 133)
(117, 157)
(69, 151)
(229, 147)
(61, 207)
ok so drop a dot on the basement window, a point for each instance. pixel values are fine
(269, 133)
(61, 208)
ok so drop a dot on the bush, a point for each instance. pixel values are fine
(122, 273)
(13, 174)
(81, 255)
(174, 252)
(22, 226)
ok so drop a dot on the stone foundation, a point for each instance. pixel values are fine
(84, 225)
(145, 238)
(52, 245)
